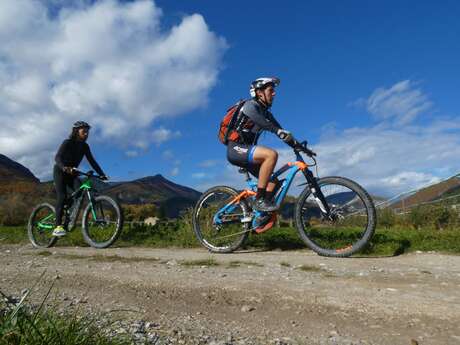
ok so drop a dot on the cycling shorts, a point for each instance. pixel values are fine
(241, 155)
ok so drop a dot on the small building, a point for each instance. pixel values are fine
(151, 221)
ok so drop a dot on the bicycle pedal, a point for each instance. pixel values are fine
(246, 219)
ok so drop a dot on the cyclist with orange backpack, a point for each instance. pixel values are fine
(249, 119)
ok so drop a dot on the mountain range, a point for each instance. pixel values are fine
(15, 179)
(173, 198)
(13, 171)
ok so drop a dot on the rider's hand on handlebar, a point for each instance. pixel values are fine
(302, 147)
(310, 152)
(284, 135)
(104, 178)
(70, 170)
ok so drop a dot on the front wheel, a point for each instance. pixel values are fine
(219, 219)
(349, 225)
(41, 225)
(102, 222)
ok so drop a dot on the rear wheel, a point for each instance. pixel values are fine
(102, 222)
(41, 225)
(348, 227)
(217, 220)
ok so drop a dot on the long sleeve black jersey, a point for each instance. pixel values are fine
(71, 153)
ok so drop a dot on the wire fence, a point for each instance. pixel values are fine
(404, 195)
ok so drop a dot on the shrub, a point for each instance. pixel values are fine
(386, 218)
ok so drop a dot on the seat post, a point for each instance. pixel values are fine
(244, 171)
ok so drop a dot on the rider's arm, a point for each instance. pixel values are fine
(92, 161)
(60, 153)
(273, 120)
(256, 114)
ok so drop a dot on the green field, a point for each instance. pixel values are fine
(386, 241)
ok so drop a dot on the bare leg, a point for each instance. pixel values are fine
(267, 159)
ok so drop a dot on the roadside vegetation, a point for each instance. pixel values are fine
(24, 323)
(425, 228)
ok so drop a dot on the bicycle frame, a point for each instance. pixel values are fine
(291, 168)
(76, 197)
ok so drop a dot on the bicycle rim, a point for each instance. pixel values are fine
(41, 225)
(351, 222)
(217, 220)
(101, 222)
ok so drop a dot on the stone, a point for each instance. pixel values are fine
(247, 308)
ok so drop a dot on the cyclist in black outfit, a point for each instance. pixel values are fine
(68, 157)
(253, 119)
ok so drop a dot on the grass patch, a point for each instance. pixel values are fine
(21, 323)
(234, 264)
(44, 253)
(309, 268)
(100, 258)
(386, 241)
(13, 234)
(202, 262)
(116, 258)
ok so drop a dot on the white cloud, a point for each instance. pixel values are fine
(168, 154)
(209, 163)
(199, 175)
(110, 63)
(389, 159)
(175, 171)
(161, 135)
(402, 102)
(409, 177)
(132, 153)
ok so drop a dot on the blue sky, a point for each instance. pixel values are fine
(371, 85)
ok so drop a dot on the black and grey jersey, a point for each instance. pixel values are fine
(254, 118)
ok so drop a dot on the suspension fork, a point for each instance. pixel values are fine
(92, 203)
(317, 193)
(75, 210)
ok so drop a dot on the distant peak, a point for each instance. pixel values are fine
(157, 178)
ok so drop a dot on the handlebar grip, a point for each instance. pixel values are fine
(303, 148)
(310, 152)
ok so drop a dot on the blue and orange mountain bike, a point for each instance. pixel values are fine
(334, 216)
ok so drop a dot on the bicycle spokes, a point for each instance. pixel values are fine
(346, 226)
(41, 225)
(218, 219)
(102, 221)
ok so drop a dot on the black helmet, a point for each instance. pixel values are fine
(260, 83)
(81, 124)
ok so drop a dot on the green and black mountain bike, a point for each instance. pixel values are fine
(101, 224)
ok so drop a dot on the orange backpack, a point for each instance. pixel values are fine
(227, 125)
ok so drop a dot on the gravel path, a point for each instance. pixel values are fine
(189, 296)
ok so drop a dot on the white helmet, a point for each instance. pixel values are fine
(260, 83)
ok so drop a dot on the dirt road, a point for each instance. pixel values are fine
(274, 297)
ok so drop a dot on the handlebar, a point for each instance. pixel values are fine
(302, 147)
(90, 173)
